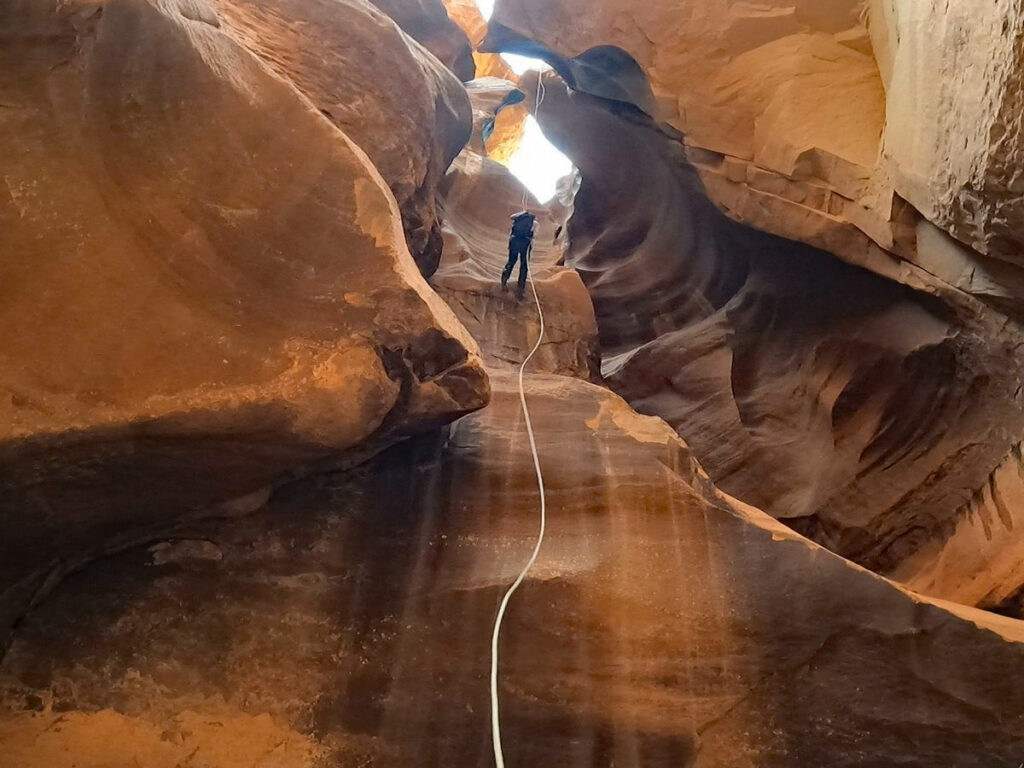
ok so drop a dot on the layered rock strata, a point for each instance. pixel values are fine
(782, 106)
(979, 562)
(785, 106)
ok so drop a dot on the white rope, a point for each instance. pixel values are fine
(499, 756)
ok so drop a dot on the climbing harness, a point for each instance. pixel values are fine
(499, 756)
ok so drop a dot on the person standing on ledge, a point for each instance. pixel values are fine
(520, 242)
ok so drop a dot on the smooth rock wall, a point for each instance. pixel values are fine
(427, 21)
(819, 121)
(349, 623)
(411, 116)
(206, 285)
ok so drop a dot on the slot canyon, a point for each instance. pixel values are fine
(266, 468)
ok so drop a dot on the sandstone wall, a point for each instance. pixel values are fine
(411, 117)
(477, 198)
(954, 135)
(508, 127)
(212, 287)
(206, 282)
(349, 623)
(784, 109)
(862, 412)
(784, 106)
(428, 23)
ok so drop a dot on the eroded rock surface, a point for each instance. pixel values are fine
(784, 106)
(954, 137)
(347, 620)
(427, 21)
(466, 13)
(207, 286)
(864, 413)
(411, 116)
(350, 622)
(494, 134)
(979, 562)
(508, 127)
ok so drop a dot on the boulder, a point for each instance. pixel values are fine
(207, 287)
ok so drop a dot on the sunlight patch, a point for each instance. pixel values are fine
(520, 64)
(517, 63)
(537, 163)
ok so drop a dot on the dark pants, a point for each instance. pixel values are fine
(518, 250)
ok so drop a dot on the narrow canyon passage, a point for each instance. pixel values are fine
(264, 475)
(347, 622)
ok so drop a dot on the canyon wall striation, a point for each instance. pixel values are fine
(847, 127)
(861, 411)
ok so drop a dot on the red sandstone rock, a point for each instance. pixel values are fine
(350, 622)
(411, 117)
(206, 284)
(428, 23)
(477, 198)
(784, 106)
(861, 412)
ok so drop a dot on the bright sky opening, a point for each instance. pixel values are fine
(536, 163)
(520, 64)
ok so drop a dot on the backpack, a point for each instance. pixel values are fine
(522, 225)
